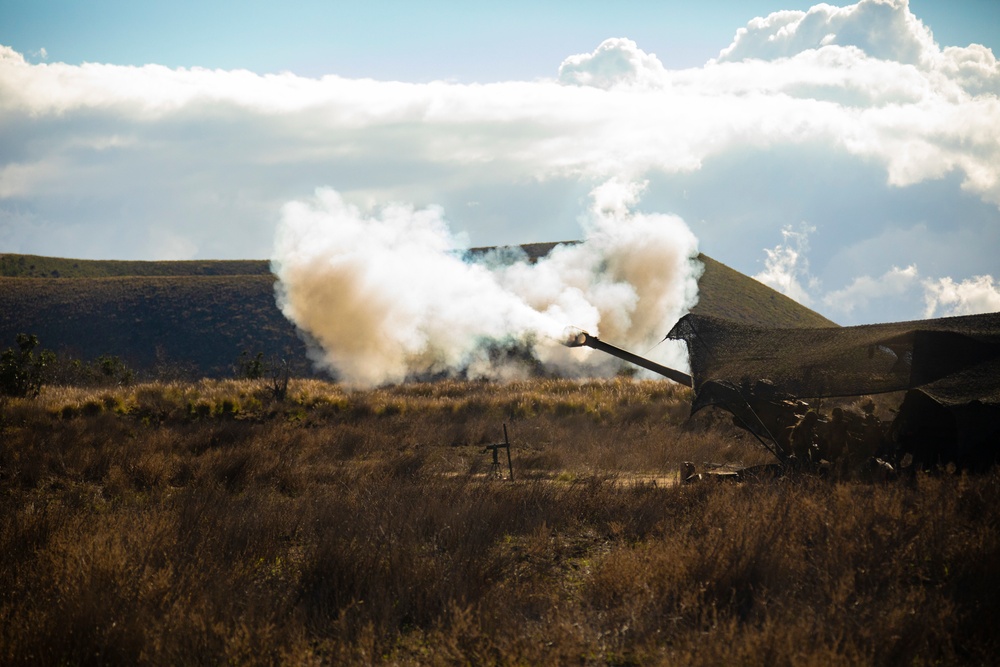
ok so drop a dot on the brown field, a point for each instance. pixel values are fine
(207, 523)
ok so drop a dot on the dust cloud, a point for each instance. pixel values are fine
(387, 296)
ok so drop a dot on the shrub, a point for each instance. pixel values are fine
(251, 367)
(105, 371)
(22, 372)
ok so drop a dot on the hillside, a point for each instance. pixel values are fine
(197, 317)
(36, 266)
(725, 292)
(190, 325)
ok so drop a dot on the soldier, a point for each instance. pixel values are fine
(802, 436)
(836, 445)
(871, 438)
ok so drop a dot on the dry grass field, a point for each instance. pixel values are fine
(207, 523)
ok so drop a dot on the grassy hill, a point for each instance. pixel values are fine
(197, 317)
(188, 325)
(725, 292)
(36, 266)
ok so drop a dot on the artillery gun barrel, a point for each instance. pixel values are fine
(584, 339)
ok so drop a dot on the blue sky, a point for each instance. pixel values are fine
(411, 41)
(848, 156)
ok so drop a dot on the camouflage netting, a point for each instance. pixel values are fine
(954, 360)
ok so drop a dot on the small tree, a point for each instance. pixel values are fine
(257, 367)
(279, 380)
(251, 368)
(22, 372)
(114, 371)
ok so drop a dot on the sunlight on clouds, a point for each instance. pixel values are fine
(974, 68)
(678, 121)
(616, 61)
(884, 29)
(624, 112)
(786, 268)
(109, 147)
(980, 294)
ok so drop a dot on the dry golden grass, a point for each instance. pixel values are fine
(208, 524)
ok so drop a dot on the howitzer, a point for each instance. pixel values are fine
(759, 408)
(765, 414)
(584, 339)
(949, 368)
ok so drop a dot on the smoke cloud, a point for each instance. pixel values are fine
(386, 295)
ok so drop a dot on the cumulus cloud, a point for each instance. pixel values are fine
(106, 161)
(921, 105)
(869, 31)
(616, 61)
(787, 271)
(883, 29)
(944, 296)
(786, 268)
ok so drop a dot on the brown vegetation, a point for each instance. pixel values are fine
(207, 523)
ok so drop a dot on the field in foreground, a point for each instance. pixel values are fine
(211, 524)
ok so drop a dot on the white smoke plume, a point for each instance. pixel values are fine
(387, 295)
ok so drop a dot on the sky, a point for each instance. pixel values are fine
(848, 155)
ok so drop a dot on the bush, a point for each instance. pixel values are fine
(251, 367)
(22, 372)
(106, 371)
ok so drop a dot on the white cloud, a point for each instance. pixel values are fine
(884, 29)
(879, 298)
(626, 115)
(786, 268)
(97, 156)
(944, 296)
(974, 68)
(893, 284)
(614, 62)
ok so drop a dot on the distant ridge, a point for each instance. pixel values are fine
(197, 317)
(163, 325)
(37, 266)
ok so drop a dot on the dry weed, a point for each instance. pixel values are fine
(343, 527)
